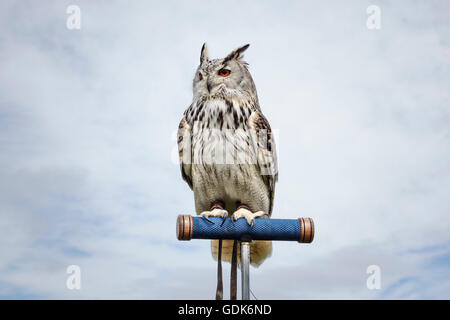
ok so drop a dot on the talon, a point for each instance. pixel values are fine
(204, 216)
(224, 217)
(214, 213)
(248, 215)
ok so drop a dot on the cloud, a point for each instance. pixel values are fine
(86, 137)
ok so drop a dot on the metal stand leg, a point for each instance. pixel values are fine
(245, 269)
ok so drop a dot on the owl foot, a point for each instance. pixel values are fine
(248, 215)
(214, 213)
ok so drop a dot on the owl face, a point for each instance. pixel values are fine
(223, 78)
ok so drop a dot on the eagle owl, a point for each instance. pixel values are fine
(226, 148)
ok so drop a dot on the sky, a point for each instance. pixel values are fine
(88, 157)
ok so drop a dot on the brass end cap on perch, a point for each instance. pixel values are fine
(184, 227)
(306, 230)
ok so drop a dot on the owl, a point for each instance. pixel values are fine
(227, 150)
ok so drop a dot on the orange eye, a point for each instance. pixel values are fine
(224, 72)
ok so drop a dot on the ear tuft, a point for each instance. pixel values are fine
(204, 53)
(237, 53)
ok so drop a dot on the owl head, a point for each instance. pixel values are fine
(224, 78)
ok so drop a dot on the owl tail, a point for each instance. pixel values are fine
(259, 251)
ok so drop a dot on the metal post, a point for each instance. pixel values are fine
(245, 269)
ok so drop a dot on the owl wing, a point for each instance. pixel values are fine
(266, 154)
(185, 151)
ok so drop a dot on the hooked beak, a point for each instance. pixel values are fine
(208, 85)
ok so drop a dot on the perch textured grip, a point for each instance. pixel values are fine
(301, 229)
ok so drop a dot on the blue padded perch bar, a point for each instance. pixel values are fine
(301, 229)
